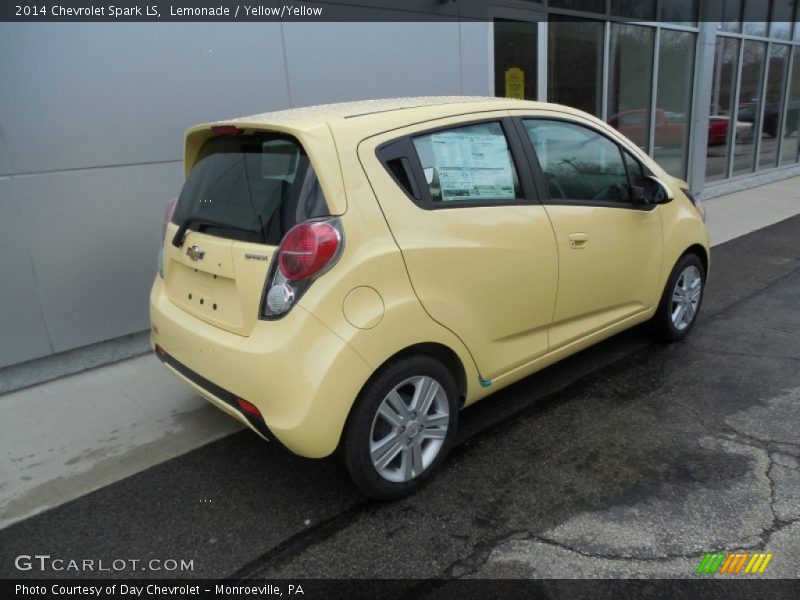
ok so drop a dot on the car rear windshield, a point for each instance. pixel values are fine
(254, 187)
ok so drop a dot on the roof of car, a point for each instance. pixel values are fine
(369, 112)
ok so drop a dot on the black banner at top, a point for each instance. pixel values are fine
(687, 12)
(154, 11)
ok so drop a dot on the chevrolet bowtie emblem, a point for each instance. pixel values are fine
(195, 253)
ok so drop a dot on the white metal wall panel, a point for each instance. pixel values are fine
(93, 238)
(83, 95)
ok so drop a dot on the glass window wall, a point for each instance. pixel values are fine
(674, 100)
(614, 70)
(773, 105)
(756, 17)
(515, 59)
(723, 94)
(680, 12)
(790, 146)
(629, 81)
(575, 64)
(730, 15)
(753, 61)
(597, 6)
(644, 10)
(782, 16)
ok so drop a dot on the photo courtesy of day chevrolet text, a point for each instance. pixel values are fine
(124, 590)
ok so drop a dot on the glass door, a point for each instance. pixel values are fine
(516, 38)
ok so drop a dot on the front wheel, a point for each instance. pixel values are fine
(401, 428)
(677, 311)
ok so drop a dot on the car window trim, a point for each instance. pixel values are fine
(530, 190)
(625, 153)
(402, 149)
(538, 172)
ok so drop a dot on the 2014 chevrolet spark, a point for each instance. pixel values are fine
(348, 277)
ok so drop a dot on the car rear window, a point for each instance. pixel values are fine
(256, 187)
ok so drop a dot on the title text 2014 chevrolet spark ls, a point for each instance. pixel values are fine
(347, 277)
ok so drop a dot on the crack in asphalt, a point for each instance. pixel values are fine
(777, 523)
(473, 563)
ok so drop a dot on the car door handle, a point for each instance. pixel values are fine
(578, 241)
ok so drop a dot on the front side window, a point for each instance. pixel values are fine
(468, 164)
(578, 163)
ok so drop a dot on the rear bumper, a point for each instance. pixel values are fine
(296, 371)
(223, 399)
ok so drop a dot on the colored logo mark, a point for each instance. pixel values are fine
(734, 563)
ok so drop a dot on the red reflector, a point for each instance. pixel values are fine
(307, 249)
(248, 408)
(225, 130)
(161, 351)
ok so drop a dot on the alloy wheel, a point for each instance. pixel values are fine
(409, 429)
(686, 297)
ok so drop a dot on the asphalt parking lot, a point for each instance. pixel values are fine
(631, 459)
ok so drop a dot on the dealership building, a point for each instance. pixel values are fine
(92, 117)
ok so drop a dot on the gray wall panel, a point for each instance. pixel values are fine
(5, 163)
(23, 334)
(475, 40)
(352, 61)
(94, 237)
(94, 94)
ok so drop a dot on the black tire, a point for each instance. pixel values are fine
(359, 431)
(662, 322)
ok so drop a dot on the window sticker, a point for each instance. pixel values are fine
(473, 166)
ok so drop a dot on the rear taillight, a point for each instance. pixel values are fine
(306, 252)
(167, 218)
(307, 249)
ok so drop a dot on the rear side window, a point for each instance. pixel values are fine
(250, 187)
(579, 163)
(470, 164)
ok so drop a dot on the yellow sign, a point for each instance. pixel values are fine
(515, 83)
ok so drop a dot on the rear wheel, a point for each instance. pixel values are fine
(401, 428)
(683, 295)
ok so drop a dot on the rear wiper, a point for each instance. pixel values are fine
(180, 235)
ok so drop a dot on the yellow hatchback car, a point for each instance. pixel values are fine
(348, 277)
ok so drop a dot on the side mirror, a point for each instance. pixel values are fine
(655, 191)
